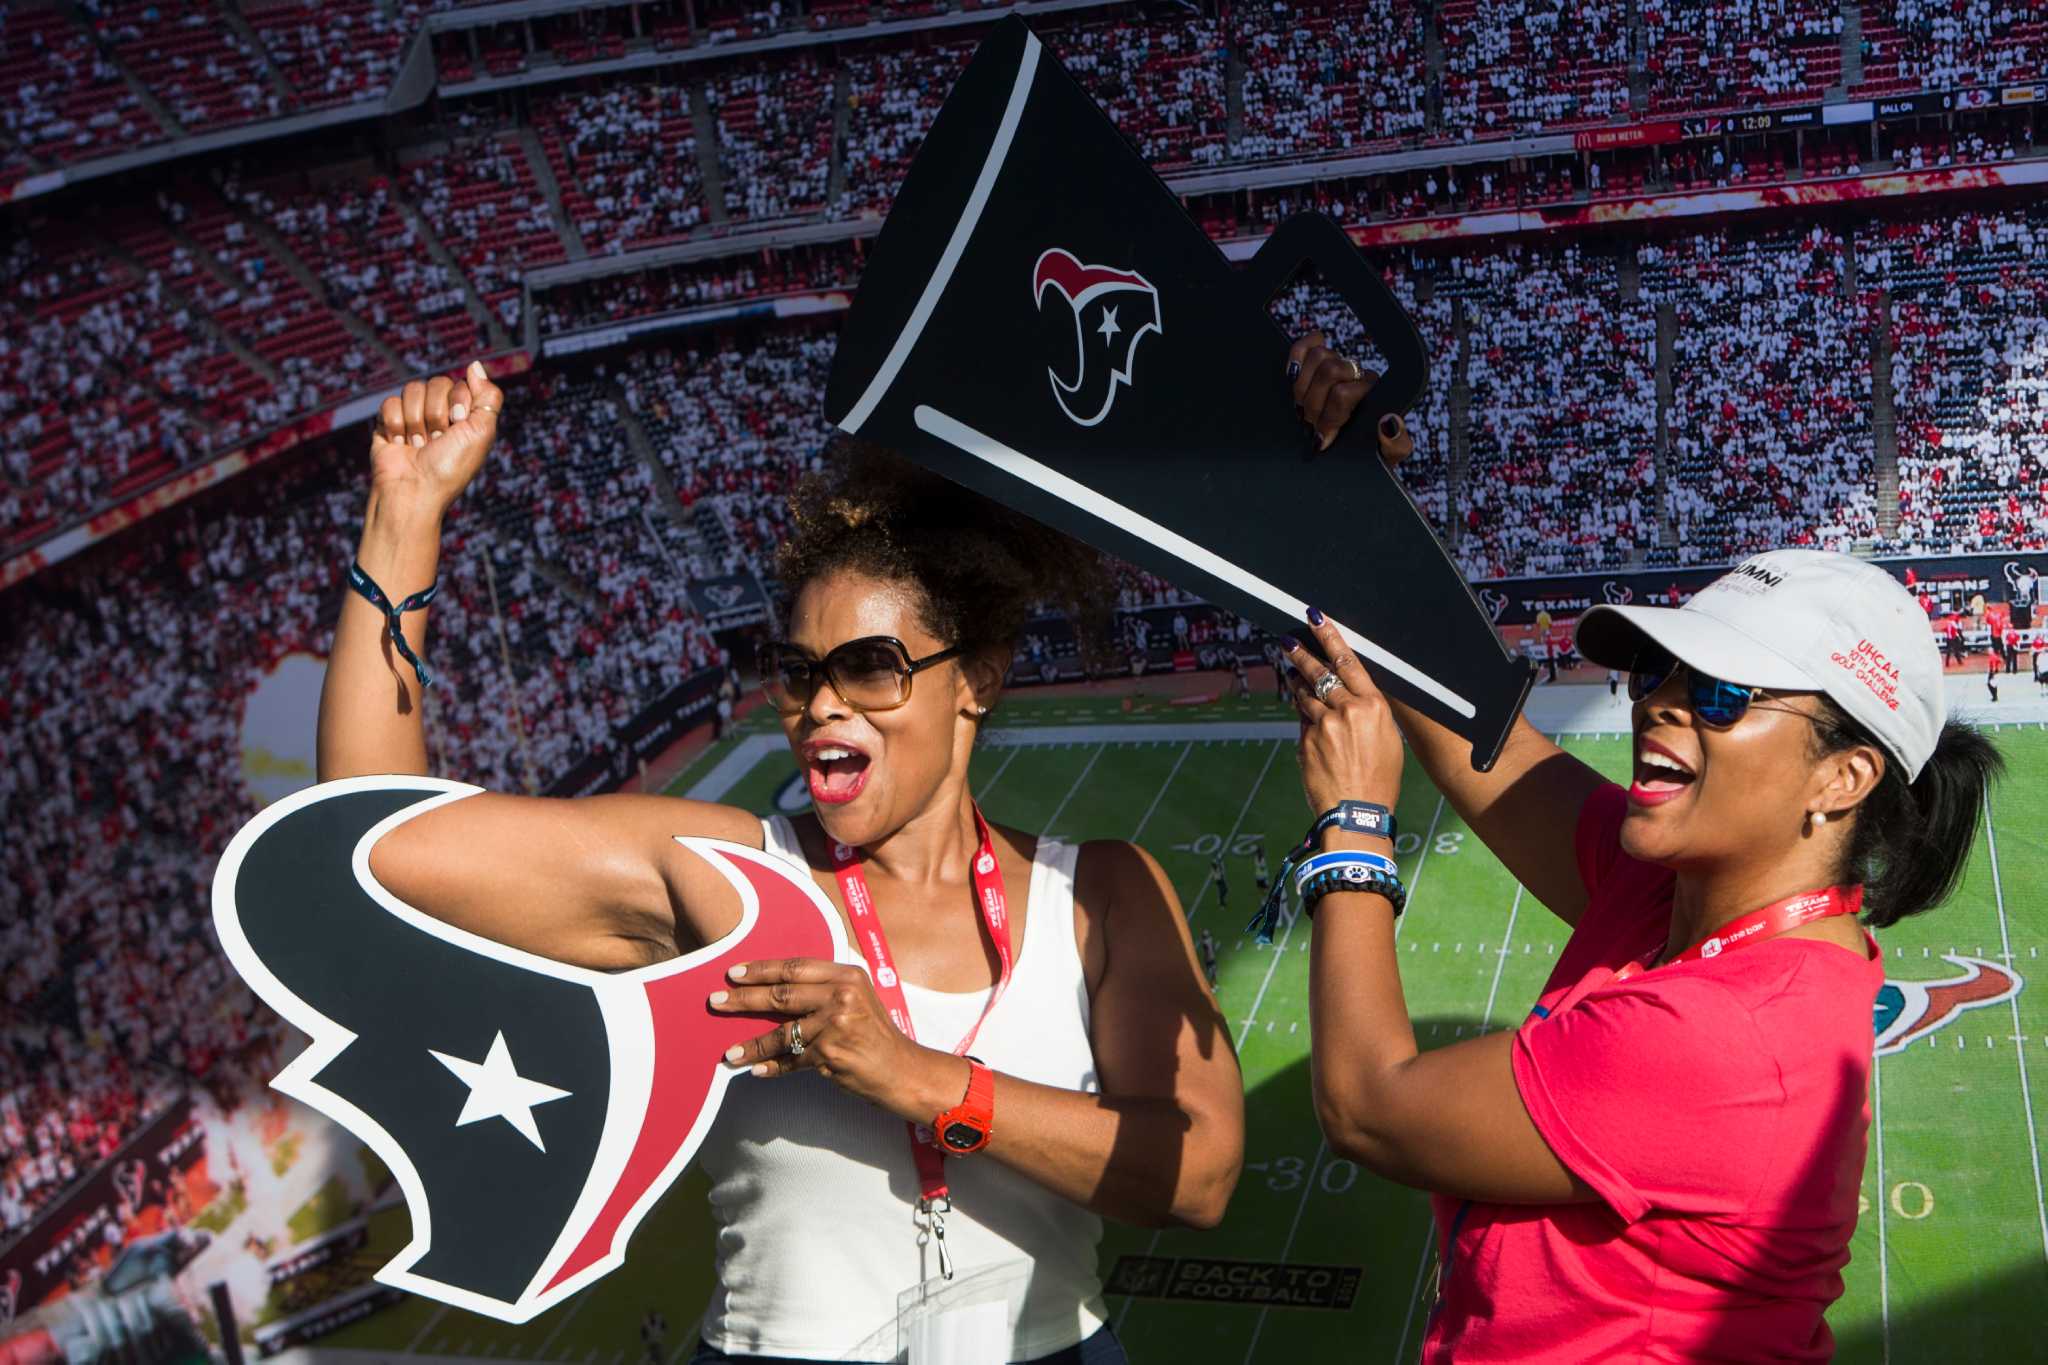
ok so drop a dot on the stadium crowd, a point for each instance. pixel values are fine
(1969, 376)
(1561, 474)
(1771, 392)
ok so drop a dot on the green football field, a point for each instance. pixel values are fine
(1950, 1260)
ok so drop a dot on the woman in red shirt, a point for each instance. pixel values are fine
(1662, 1161)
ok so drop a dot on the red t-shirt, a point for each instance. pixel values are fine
(1719, 1110)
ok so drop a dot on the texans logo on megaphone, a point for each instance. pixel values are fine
(1107, 310)
(532, 1111)
(1494, 600)
(1617, 594)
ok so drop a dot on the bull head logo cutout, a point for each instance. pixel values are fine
(531, 1111)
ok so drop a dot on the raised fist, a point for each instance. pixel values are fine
(430, 438)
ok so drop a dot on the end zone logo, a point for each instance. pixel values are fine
(1109, 310)
(1908, 1011)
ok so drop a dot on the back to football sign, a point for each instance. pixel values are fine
(1253, 1284)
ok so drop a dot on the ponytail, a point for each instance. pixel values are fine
(1911, 840)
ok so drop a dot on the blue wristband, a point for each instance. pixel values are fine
(1324, 862)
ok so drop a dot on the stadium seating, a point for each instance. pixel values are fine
(1727, 54)
(486, 207)
(201, 69)
(647, 293)
(1969, 376)
(372, 262)
(60, 98)
(1532, 64)
(1345, 78)
(892, 95)
(330, 51)
(774, 121)
(1771, 392)
(1561, 473)
(626, 159)
(1941, 44)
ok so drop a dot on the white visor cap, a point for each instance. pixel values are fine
(1800, 621)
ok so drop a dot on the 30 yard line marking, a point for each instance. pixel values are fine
(1421, 860)
(1153, 1245)
(1429, 1227)
(2026, 1094)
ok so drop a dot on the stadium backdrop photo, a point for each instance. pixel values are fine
(1684, 281)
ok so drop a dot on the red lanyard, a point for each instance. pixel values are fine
(874, 946)
(1769, 922)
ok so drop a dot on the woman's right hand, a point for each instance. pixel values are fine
(1328, 388)
(430, 438)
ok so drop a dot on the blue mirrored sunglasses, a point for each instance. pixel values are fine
(1717, 703)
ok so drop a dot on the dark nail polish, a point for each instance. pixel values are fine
(1293, 368)
(1315, 618)
(1289, 643)
(1390, 426)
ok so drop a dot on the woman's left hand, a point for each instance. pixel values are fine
(846, 1032)
(1350, 747)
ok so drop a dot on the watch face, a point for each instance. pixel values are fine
(961, 1136)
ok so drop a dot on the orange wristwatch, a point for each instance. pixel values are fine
(966, 1127)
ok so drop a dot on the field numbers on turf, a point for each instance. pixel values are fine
(1208, 845)
(1911, 1200)
(1448, 842)
(1287, 1173)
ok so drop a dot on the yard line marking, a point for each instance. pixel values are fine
(1513, 909)
(1884, 1270)
(541, 1351)
(1152, 1246)
(1415, 1290)
(2026, 1094)
(1322, 1148)
(1421, 862)
(1061, 808)
(412, 1347)
(1186, 749)
(1001, 768)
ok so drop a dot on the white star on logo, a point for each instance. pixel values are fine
(1108, 327)
(497, 1090)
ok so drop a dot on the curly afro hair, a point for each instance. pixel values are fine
(980, 570)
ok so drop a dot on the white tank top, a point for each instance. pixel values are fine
(812, 1190)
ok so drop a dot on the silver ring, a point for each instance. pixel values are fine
(1327, 684)
(796, 1038)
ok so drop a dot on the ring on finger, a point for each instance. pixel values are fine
(1327, 684)
(1356, 373)
(795, 1038)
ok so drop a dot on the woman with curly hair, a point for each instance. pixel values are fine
(1101, 1081)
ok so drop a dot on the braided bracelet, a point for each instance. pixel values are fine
(1354, 877)
(366, 587)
